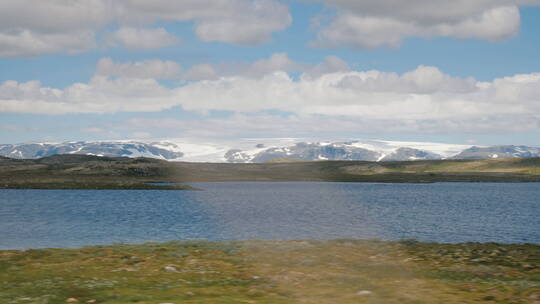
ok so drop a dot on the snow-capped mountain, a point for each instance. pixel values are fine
(303, 151)
(499, 152)
(263, 150)
(370, 150)
(406, 153)
(128, 149)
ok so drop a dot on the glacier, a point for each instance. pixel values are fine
(252, 150)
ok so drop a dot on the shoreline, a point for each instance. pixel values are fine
(97, 186)
(91, 172)
(407, 241)
(184, 185)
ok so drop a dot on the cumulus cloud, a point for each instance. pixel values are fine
(141, 38)
(425, 91)
(331, 64)
(29, 28)
(421, 98)
(157, 69)
(28, 43)
(422, 80)
(370, 24)
(278, 62)
(422, 93)
(247, 23)
(101, 95)
(202, 72)
(241, 21)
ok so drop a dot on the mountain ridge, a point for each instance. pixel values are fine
(264, 150)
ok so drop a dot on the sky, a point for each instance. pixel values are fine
(463, 71)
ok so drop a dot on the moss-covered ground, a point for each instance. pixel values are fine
(338, 271)
(92, 172)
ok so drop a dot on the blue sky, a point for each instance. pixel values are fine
(242, 68)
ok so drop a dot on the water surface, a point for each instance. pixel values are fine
(442, 212)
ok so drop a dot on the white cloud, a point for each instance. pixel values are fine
(370, 24)
(29, 28)
(422, 80)
(248, 23)
(422, 98)
(370, 94)
(278, 62)
(23, 43)
(100, 95)
(157, 69)
(50, 16)
(331, 64)
(233, 21)
(306, 126)
(201, 72)
(141, 38)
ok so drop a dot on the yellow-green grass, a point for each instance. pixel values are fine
(515, 166)
(339, 271)
(86, 172)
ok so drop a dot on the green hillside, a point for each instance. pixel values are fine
(92, 172)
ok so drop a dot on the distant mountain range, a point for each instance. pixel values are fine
(129, 149)
(260, 150)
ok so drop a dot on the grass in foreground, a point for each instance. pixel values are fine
(340, 271)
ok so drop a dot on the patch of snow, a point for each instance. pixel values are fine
(137, 153)
(381, 157)
(195, 152)
(377, 146)
(445, 150)
(253, 152)
(76, 151)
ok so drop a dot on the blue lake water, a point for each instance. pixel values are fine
(441, 212)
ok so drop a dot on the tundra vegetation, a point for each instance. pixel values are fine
(337, 271)
(92, 172)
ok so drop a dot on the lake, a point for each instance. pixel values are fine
(440, 212)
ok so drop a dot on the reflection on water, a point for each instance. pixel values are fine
(445, 212)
